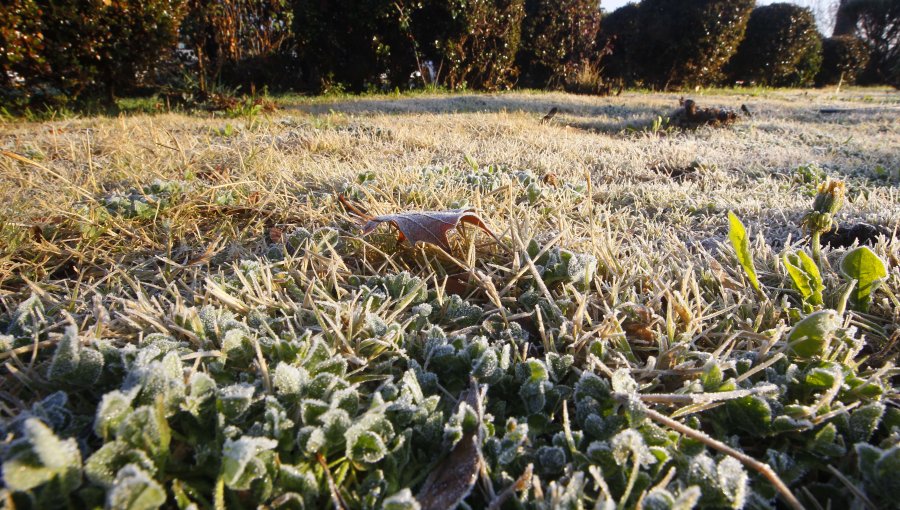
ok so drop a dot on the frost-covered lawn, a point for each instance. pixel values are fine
(188, 315)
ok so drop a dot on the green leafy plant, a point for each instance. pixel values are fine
(867, 270)
(737, 234)
(806, 277)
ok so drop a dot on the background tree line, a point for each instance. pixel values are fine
(51, 50)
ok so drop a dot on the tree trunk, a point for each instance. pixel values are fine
(845, 21)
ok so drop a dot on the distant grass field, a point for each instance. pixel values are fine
(188, 315)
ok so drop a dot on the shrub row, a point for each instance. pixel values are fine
(103, 48)
(663, 44)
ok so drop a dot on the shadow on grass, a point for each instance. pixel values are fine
(588, 113)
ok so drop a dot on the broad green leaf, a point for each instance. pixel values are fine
(862, 265)
(864, 421)
(810, 336)
(134, 489)
(365, 446)
(39, 457)
(146, 428)
(751, 414)
(240, 462)
(806, 277)
(102, 467)
(741, 243)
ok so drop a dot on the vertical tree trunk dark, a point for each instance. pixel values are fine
(845, 21)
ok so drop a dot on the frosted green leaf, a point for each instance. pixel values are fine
(236, 344)
(39, 457)
(861, 264)
(732, 479)
(823, 377)
(864, 420)
(234, 400)
(687, 499)
(113, 408)
(534, 396)
(201, 385)
(134, 489)
(101, 467)
(311, 439)
(486, 366)
(403, 500)
(74, 364)
(146, 428)
(535, 371)
(806, 277)
(293, 478)
(238, 455)
(623, 383)
(289, 380)
(559, 365)
(411, 388)
(364, 445)
(712, 376)
(171, 365)
(751, 414)
(629, 444)
(885, 473)
(335, 423)
(811, 336)
(827, 443)
(28, 314)
(741, 244)
(346, 399)
(90, 367)
(580, 268)
(659, 499)
(201, 388)
(550, 460)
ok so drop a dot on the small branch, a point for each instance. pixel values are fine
(764, 469)
(335, 496)
(704, 398)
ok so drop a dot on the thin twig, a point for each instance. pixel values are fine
(335, 496)
(762, 468)
(702, 398)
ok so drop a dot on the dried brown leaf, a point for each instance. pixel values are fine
(428, 226)
(453, 478)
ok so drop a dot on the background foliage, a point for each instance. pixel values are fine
(782, 47)
(559, 42)
(843, 57)
(194, 51)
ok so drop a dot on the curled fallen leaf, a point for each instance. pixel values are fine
(422, 226)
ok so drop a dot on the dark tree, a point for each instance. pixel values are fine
(473, 43)
(843, 58)
(688, 42)
(241, 42)
(782, 47)
(620, 31)
(877, 22)
(558, 41)
(54, 51)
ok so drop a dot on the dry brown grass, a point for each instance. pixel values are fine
(290, 164)
(651, 232)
